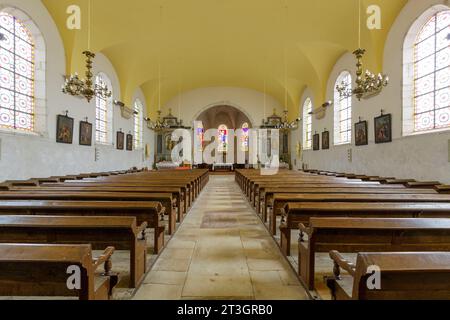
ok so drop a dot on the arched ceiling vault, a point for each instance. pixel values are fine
(233, 43)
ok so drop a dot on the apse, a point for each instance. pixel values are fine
(229, 116)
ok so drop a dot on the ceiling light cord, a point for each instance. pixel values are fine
(89, 23)
(359, 23)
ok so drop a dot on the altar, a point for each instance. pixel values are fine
(223, 167)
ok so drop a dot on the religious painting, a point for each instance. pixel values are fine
(120, 140)
(316, 142)
(170, 120)
(383, 129)
(85, 133)
(129, 142)
(361, 133)
(64, 129)
(326, 140)
(168, 141)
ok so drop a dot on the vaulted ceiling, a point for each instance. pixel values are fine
(240, 43)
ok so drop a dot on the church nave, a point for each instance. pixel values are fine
(221, 251)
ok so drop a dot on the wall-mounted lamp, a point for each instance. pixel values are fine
(126, 112)
(321, 111)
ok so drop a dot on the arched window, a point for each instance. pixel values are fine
(138, 124)
(223, 138)
(17, 70)
(245, 137)
(432, 74)
(307, 124)
(103, 115)
(200, 134)
(343, 111)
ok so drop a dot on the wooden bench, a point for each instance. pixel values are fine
(150, 212)
(37, 194)
(445, 189)
(302, 212)
(353, 235)
(404, 276)
(120, 232)
(267, 195)
(177, 194)
(160, 187)
(423, 184)
(280, 200)
(41, 270)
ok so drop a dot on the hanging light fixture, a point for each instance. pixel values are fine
(159, 125)
(367, 83)
(75, 86)
(285, 125)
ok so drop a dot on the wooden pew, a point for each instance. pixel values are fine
(302, 212)
(353, 235)
(161, 187)
(120, 232)
(423, 184)
(149, 212)
(267, 193)
(404, 276)
(177, 193)
(37, 194)
(283, 195)
(445, 189)
(41, 270)
(280, 200)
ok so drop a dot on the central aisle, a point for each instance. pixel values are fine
(221, 251)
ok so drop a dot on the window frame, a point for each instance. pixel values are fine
(31, 81)
(108, 110)
(138, 124)
(307, 122)
(339, 109)
(409, 76)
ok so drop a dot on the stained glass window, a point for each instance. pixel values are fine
(138, 124)
(245, 137)
(307, 124)
(16, 75)
(223, 138)
(103, 114)
(432, 74)
(343, 111)
(200, 135)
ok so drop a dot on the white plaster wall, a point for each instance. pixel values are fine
(250, 102)
(422, 157)
(25, 156)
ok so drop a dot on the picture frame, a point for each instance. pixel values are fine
(326, 140)
(316, 142)
(361, 133)
(85, 137)
(120, 140)
(64, 129)
(129, 142)
(383, 129)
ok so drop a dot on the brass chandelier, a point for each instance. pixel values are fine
(368, 84)
(85, 88)
(158, 125)
(285, 125)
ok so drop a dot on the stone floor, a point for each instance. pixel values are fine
(221, 251)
